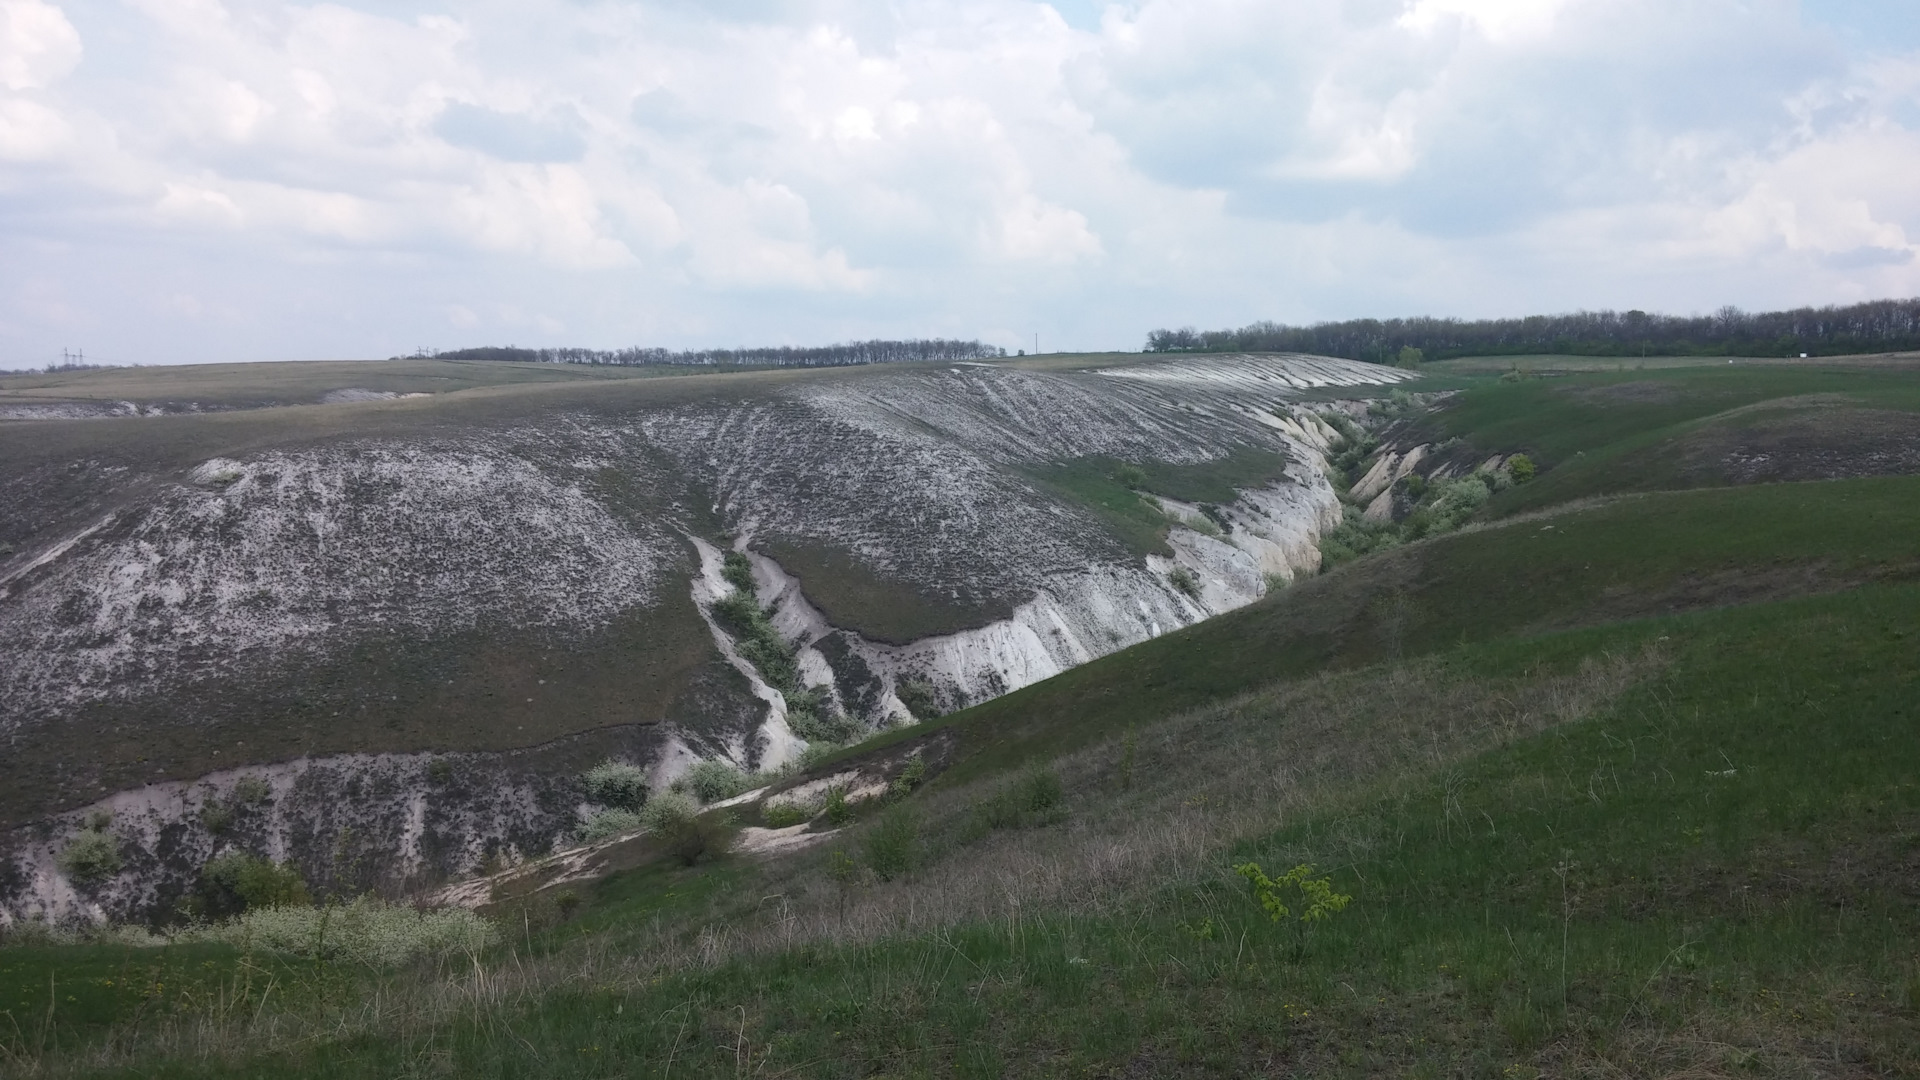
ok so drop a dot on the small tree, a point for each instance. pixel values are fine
(675, 818)
(1521, 468)
(711, 781)
(1410, 357)
(616, 783)
(238, 882)
(92, 856)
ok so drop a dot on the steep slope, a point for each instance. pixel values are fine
(513, 582)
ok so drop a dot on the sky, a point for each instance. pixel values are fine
(198, 180)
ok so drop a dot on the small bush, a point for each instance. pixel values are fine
(1131, 476)
(1409, 357)
(367, 932)
(838, 810)
(786, 815)
(617, 784)
(815, 753)
(892, 845)
(918, 696)
(92, 856)
(439, 772)
(1182, 579)
(216, 816)
(810, 715)
(675, 818)
(669, 809)
(1521, 468)
(911, 777)
(1353, 537)
(238, 882)
(711, 781)
(1316, 897)
(251, 791)
(738, 572)
(759, 643)
(614, 821)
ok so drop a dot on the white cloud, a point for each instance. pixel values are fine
(674, 173)
(38, 46)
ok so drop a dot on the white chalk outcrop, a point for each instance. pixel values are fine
(931, 478)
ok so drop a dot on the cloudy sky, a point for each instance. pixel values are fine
(190, 180)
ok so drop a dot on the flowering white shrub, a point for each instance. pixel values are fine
(368, 932)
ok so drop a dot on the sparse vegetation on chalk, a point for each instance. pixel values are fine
(93, 855)
(616, 784)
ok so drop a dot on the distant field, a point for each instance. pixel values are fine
(1550, 362)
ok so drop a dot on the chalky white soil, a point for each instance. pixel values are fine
(918, 476)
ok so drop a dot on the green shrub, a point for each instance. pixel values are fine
(892, 845)
(216, 816)
(367, 932)
(738, 572)
(251, 791)
(838, 810)
(815, 753)
(614, 821)
(617, 784)
(1316, 897)
(786, 814)
(711, 781)
(238, 882)
(918, 696)
(675, 818)
(92, 856)
(911, 777)
(1521, 468)
(759, 643)
(1353, 537)
(1182, 579)
(810, 716)
(1131, 476)
(1409, 357)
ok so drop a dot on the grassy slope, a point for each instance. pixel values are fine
(1646, 555)
(1606, 432)
(1714, 876)
(1710, 876)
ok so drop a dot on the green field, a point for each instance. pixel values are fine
(1620, 780)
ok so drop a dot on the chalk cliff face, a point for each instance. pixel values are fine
(413, 622)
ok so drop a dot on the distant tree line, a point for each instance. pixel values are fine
(852, 352)
(1875, 326)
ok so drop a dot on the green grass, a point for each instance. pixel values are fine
(1645, 555)
(1705, 876)
(1098, 484)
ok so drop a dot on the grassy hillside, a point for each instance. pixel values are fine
(1681, 844)
(1648, 555)
(1619, 786)
(1605, 432)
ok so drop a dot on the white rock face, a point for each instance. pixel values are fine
(390, 808)
(934, 479)
(300, 550)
